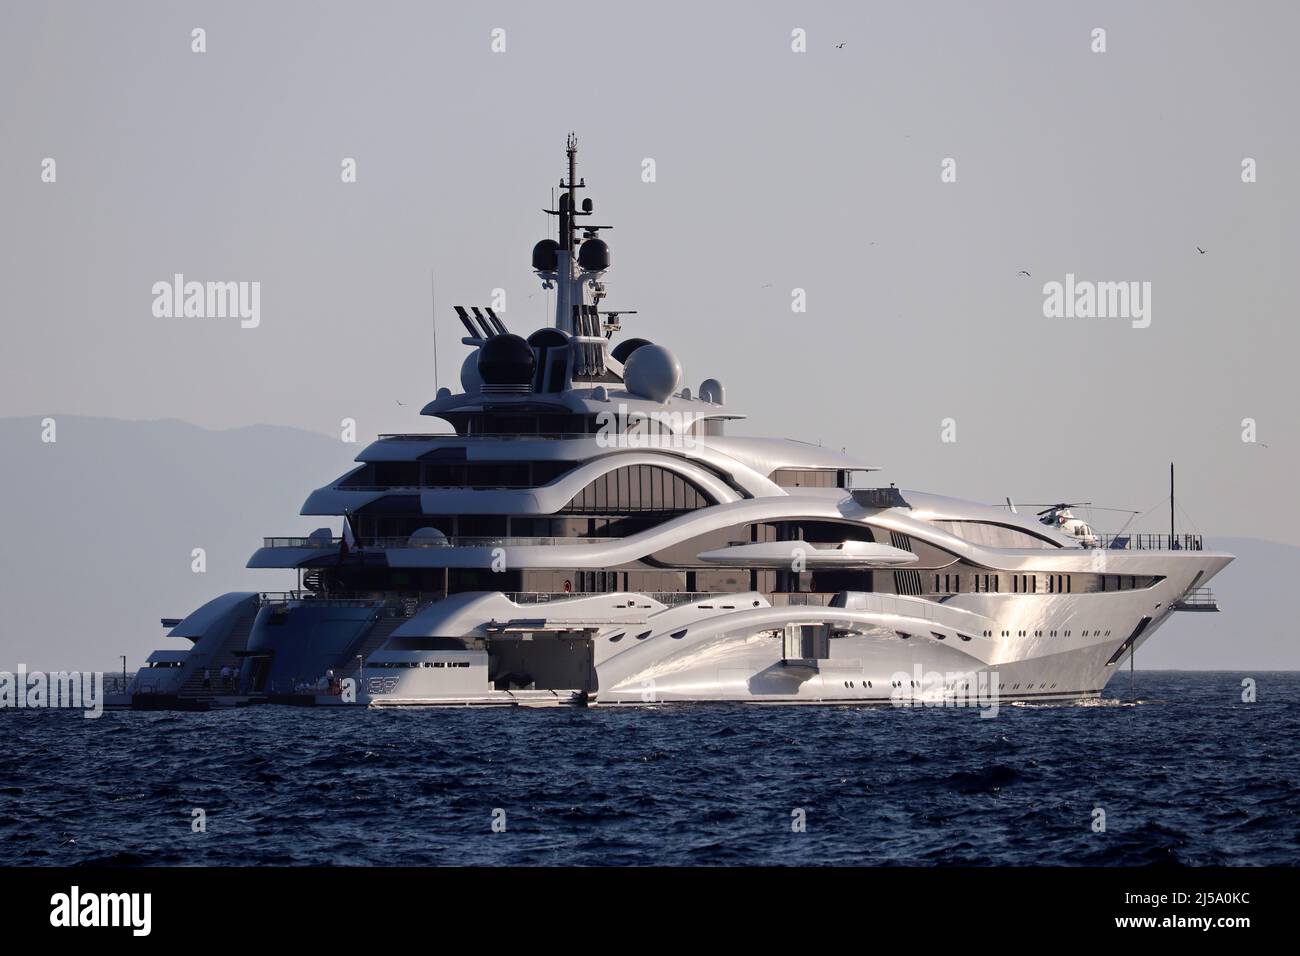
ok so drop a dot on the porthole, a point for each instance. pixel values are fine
(643, 635)
(678, 635)
(617, 637)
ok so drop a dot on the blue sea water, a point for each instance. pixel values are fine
(1190, 775)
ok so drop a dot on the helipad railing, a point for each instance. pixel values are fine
(1150, 542)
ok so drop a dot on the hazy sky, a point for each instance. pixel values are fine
(775, 170)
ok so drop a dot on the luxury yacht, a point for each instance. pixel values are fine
(587, 530)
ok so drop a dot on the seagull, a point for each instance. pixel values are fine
(403, 404)
(1022, 272)
(1200, 250)
(766, 285)
(840, 45)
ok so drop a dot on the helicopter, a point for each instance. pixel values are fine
(1060, 517)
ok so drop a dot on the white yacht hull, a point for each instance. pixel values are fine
(970, 649)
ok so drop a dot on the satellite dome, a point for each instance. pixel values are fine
(506, 360)
(593, 255)
(427, 538)
(548, 338)
(443, 392)
(711, 390)
(600, 393)
(546, 256)
(652, 372)
(626, 348)
(470, 380)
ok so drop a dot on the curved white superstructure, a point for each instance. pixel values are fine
(587, 531)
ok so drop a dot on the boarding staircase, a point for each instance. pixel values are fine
(377, 638)
(224, 655)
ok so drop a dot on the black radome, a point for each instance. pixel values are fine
(506, 360)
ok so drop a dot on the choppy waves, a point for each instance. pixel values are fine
(1190, 775)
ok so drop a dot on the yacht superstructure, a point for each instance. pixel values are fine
(590, 531)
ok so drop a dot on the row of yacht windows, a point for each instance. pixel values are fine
(981, 582)
(632, 488)
(561, 424)
(485, 474)
(368, 527)
(403, 665)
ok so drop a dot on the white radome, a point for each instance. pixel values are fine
(652, 372)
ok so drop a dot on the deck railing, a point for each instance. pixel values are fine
(1150, 542)
(404, 541)
(670, 598)
(522, 436)
(408, 601)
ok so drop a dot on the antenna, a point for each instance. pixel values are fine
(567, 226)
(1171, 504)
(433, 299)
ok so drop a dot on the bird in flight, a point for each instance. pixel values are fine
(1200, 250)
(1022, 272)
(840, 45)
(400, 402)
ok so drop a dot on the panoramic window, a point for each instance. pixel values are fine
(635, 488)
